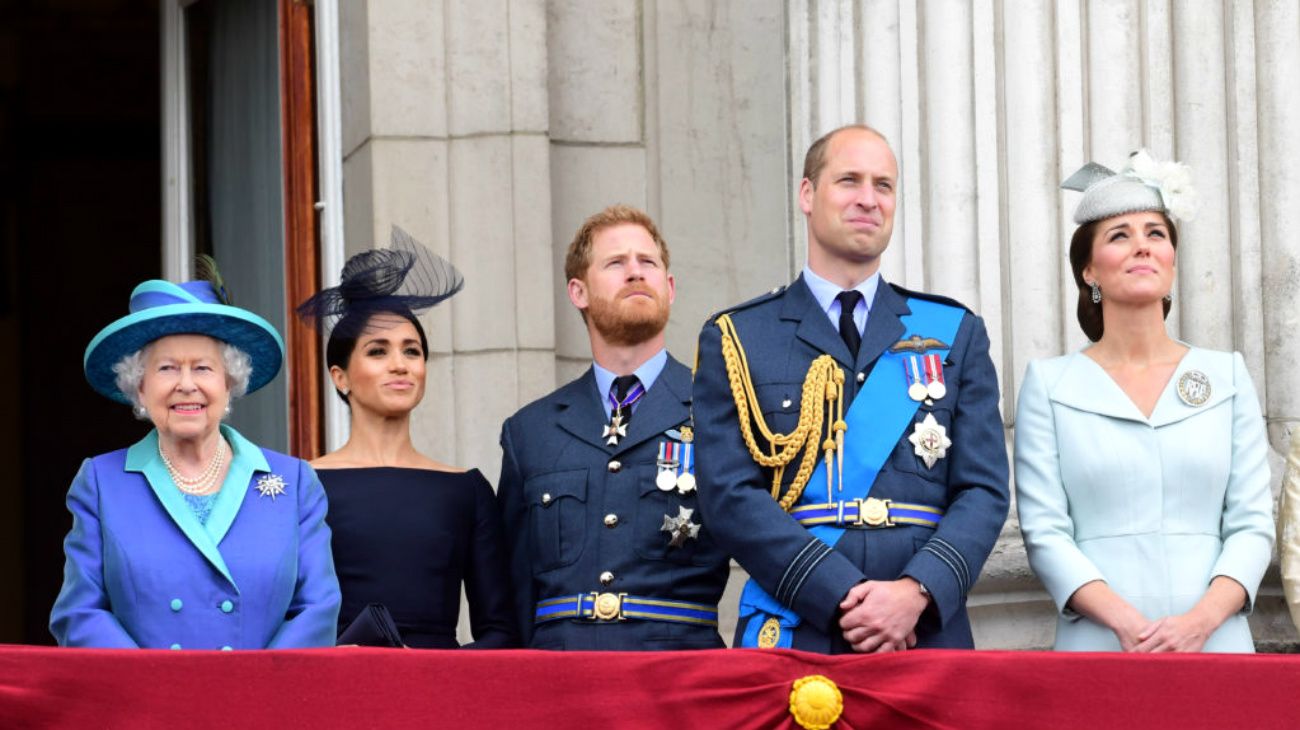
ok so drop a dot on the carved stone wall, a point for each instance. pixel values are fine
(490, 128)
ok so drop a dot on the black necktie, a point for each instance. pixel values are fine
(623, 385)
(848, 330)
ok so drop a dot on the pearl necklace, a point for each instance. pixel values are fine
(205, 483)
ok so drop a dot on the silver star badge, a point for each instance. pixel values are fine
(614, 430)
(270, 485)
(680, 528)
(931, 440)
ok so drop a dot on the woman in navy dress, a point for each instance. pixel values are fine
(408, 531)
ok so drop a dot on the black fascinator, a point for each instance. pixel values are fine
(405, 278)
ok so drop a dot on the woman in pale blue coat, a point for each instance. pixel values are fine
(1141, 479)
(193, 538)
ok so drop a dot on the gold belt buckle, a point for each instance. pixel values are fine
(874, 512)
(607, 606)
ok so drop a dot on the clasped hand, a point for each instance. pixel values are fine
(1183, 632)
(881, 616)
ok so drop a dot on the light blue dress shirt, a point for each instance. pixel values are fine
(647, 374)
(825, 292)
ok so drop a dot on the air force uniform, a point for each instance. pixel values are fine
(924, 486)
(607, 551)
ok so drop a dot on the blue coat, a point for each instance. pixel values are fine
(559, 484)
(142, 571)
(1156, 507)
(782, 333)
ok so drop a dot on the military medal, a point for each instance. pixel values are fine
(916, 389)
(617, 427)
(934, 377)
(270, 485)
(680, 528)
(667, 462)
(931, 440)
(769, 635)
(614, 430)
(1194, 388)
(686, 475)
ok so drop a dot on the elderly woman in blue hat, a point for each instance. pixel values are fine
(1141, 477)
(194, 537)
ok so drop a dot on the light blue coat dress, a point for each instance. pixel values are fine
(1155, 507)
(142, 571)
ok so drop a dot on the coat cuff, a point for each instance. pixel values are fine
(815, 582)
(944, 573)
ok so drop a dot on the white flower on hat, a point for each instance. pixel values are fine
(1172, 179)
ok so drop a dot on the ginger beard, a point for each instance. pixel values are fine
(626, 319)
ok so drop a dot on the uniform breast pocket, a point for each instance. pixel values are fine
(924, 446)
(780, 403)
(556, 504)
(657, 509)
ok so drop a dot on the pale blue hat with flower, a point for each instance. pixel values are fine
(1144, 184)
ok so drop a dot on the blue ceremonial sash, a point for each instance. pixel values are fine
(879, 414)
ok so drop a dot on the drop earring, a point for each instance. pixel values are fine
(1096, 292)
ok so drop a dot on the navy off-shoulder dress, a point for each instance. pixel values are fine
(408, 538)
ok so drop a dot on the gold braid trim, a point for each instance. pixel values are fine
(822, 405)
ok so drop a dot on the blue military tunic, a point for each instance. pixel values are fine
(585, 519)
(782, 333)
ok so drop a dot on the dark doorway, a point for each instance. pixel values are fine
(80, 226)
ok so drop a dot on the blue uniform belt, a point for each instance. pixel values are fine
(621, 607)
(867, 513)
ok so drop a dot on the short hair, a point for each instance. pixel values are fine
(1087, 311)
(815, 159)
(130, 373)
(578, 257)
(343, 337)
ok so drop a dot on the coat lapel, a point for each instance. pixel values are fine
(666, 405)
(580, 411)
(814, 328)
(1085, 386)
(246, 461)
(1216, 366)
(884, 327)
(143, 458)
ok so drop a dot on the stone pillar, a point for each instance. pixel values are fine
(983, 145)
(445, 134)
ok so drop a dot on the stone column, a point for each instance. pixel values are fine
(983, 145)
(445, 134)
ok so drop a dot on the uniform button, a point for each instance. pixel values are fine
(862, 377)
(176, 646)
(226, 648)
(546, 498)
(606, 578)
(611, 520)
(176, 604)
(227, 606)
(615, 466)
(785, 403)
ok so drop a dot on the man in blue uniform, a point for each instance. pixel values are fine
(851, 452)
(597, 490)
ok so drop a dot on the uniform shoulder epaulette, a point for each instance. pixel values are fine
(930, 297)
(766, 296)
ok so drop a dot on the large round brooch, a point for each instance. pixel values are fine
(815, 702)
(1194, 388)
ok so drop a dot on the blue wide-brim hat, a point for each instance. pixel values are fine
(161, 308)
